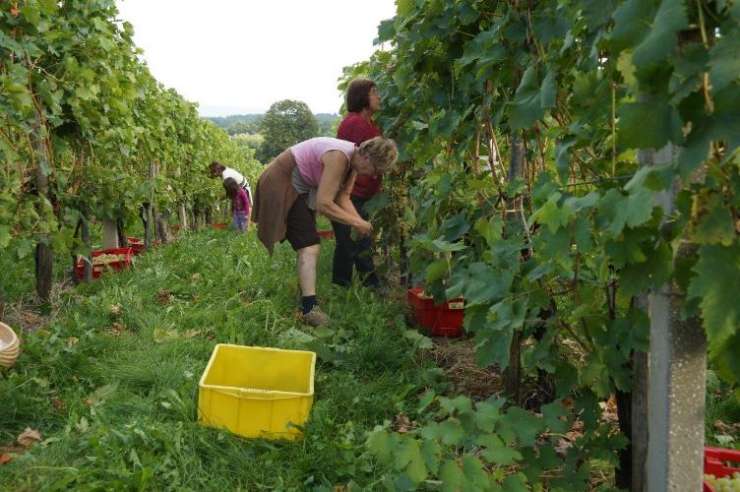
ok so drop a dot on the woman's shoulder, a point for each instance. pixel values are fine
(356, 128)
(354, 119)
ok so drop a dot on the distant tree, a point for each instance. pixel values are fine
(328, 124)
(286, 123)
(236, 124)
(242, 127)
(251, 141)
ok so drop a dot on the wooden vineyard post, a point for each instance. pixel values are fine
(44, 254)
(181, 211)
(148, 211)
(512, 374)
(677, 384)
(161, 218)
(85, 234)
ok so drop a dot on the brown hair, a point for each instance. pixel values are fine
(216, 167)
(381, 152)
(358, 94)
(231, 187)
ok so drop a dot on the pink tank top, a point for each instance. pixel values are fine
(308, 155)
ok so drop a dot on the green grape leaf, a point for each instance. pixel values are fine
(526, 108)
(404, 7)
(648, 125)
(716, 226)
(548, 91)
(632, 210)
(493, 350)
(460, 404)
(452, 477)
(724, 61)
(431, 451)
(553, 216)
(496, 452)
(631, 23)
(488, 413)
(474, 473)
(379, 443)
(523, 424)
(662, 34)
(442, 246)
(515, 483)
(553, 414)
(436, 270)
(409, 459)
(451, 432)
(727, 359)
(716, 285)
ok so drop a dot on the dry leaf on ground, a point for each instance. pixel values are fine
(29, 437)
(402, 424)
(5, 458)
(58, 404)
(115, 310)
(117, 329)
(164, 297)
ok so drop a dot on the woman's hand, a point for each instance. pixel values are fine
(363, 227)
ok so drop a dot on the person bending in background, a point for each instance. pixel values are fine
(357, 126)
(316, 175)
(219, 170)
(240, 204)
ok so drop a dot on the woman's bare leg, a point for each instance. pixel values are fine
(308, 259)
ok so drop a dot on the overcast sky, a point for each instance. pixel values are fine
(240, 56)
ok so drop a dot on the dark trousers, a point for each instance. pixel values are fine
(350, 253)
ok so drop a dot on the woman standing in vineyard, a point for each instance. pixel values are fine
(316, 175)
(219, 170)
(240, 205)
(357, 126)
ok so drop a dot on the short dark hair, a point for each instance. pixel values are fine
(358, 94)
(216, 167)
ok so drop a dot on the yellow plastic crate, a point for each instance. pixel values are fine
(257, 392)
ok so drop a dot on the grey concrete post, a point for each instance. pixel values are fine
(110, 234)
(677, 379)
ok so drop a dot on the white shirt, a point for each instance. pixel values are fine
(239, 178)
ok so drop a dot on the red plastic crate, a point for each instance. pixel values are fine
(422, 306)
(716, 462)
(440, 320)
(326, 234)
(125, 255)
(136, 244)
(449, 319)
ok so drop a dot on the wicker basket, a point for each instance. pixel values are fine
(9, 346)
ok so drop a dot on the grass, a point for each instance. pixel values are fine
(111, 381)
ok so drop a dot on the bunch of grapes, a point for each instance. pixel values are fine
(724, 484)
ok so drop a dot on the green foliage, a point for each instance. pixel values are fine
(241, 124)
(111, 382)
(560, 255)
(285, 124)
(80, 108)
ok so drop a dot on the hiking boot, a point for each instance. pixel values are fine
(316, 317)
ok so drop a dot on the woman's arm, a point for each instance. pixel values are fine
(333, 201)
